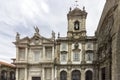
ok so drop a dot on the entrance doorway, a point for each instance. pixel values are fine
(103, 73)
(36, 78)
(63, 75)
(76, 75)
(88, 75)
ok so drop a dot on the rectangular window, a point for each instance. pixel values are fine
(63, 46)
(48, 73)
(48, 52)
(36, 55)
(63, 57)
(21, 53)
(76, 56)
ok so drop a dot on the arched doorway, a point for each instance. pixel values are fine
(76, 75)
(12, 75)
(63, 75)
(3, 75)
(88, 75)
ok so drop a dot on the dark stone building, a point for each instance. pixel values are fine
(108, 40)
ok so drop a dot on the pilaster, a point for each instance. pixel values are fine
(26, 76)
(26, 54)
(17, 53)
(83, 53)
(82, 74)
(69, 75)
(17, 74)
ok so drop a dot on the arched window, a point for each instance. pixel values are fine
(76, 75)
(12, 75)
(63, 75)
(4, 75)
(76, 25)
(88, 75)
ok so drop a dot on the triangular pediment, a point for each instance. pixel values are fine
(39, 40)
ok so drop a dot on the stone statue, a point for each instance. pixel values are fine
(17, 36)
(53, 34)
(58, 35)
(36, 30)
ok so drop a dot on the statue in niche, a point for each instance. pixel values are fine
(76, 46)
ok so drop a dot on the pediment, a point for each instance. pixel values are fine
(39, 40)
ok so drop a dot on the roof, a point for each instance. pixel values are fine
(7, 64)
(77, 12)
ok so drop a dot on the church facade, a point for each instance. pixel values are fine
(65, 58)
(76, 56)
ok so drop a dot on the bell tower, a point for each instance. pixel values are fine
(76, 23)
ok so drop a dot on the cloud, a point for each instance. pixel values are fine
(22, 15)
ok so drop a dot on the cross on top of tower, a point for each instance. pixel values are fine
(76, 3)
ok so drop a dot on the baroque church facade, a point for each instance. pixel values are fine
(65, 58)
(76, 56)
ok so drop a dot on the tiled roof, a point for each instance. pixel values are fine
(7, 64)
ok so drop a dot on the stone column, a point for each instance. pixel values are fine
(83, 53)
(26, 76)
(17, 74)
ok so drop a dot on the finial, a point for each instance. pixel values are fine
(17, 36)
(58, 34)
(83, 8)
(76, 3)
(70, 8)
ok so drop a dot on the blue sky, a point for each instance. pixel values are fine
(22, 15)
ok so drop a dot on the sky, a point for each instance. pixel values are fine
(22, 15)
